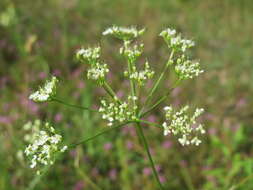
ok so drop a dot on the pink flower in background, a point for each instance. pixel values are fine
(76, 94)
(113, 174)
(212, 131)
(29, 105)
(108, 146)
(80, 85)
(176, 92)
(183, 163)
(241, 103)
(146, 171)
(94, 172)
(56, 72)
(151, 118)
(76, 73)
(5, 120)
(58, 117)
(129, 145)
(120, 94)
(162, 178)
(129, 130)
(235, 127)
(42, 75)
(158, 168)
(167, 144)
(73, 153)
(79, 185)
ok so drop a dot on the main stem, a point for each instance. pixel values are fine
(132, 84)
(145, 143)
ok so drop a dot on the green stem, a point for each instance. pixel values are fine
(110, 91)
(145, 143)
(99, 134)
(132, 85)
(153, 89)
(72, 105)
(150, 123)
(160, 100)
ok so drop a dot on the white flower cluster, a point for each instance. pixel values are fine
(175, 41)
(117, 112)
(180, 123)
(44, 143)
(141, 76)
(131, 53)
(90, 55)
(97, 70)
(46, 92)
(124, 33)
(187, 69)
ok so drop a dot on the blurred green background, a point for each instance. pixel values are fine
(39, 38)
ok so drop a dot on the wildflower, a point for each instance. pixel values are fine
(131, 53)
(116, 112)
(141, 76)
(97, 70)
(45, 93)
(175, 41)
(187, 69)
(124, 33)
(180, 123)
(90, 55)
(44, 143)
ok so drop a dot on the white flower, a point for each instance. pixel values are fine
(64, 148)
(44, 144)
(180, 123)
(46, 92)
(113, 111)
(175, 41)
(186, 69)
(91, 55)
(97, 71)
(131, 53)
(123, 33)
(168, 33)
(140, 76)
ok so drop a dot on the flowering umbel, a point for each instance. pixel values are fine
(97, 70)
(124, 33)
(44, 143)
(180, 123)
(46, 92)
